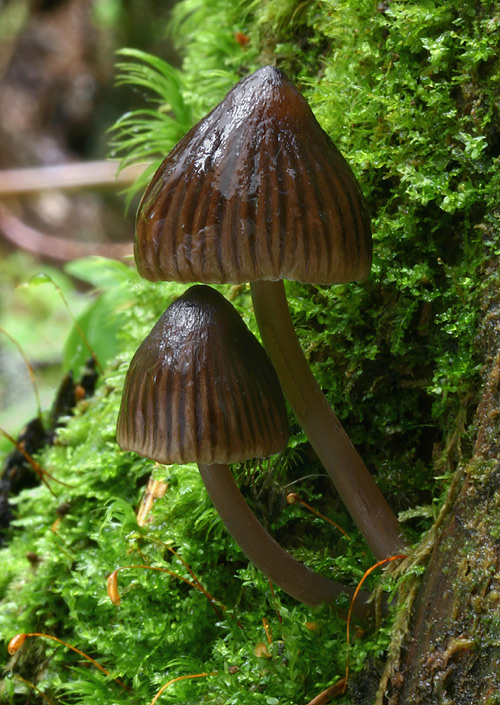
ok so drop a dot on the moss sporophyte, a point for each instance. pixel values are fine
(257, 192)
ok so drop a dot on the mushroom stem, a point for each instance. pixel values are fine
(264, 552)
(361, 496)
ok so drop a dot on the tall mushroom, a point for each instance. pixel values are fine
(201, 388)
(257, 192)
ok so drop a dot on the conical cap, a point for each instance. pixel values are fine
(201, 388)
(256, 190)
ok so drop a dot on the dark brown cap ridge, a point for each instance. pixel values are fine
(256, 190)
(201, 388)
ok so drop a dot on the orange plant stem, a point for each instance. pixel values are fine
(293, 497)
(356, 592)
(180, 678)
(113, 582)
(36, 466)
(17, 641)
(187, 567)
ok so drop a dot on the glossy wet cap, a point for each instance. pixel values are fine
(201, 388)
(256, 190)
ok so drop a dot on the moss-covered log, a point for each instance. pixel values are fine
(409, 92)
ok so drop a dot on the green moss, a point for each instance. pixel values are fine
(408, 91)
(163, 628)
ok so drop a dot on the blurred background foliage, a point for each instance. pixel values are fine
(57, 102)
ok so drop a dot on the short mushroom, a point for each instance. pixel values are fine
(200, 388)
(257, 192)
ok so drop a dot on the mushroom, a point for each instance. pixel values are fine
(201, 388)
(257, 192)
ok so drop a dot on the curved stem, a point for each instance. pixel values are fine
(351, 477)
(263, 551)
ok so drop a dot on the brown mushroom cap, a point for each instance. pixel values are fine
(256, 190)
(201, 388)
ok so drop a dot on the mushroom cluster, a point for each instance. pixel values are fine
(257, 192)
(201, 389)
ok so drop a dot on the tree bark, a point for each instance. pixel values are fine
(452, 652)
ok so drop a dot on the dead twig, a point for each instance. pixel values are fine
(68, 177)
(52, 247)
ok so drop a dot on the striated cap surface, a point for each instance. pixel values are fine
(201, 388)
(256, 190)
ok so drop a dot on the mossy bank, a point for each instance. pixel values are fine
(409, 93)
